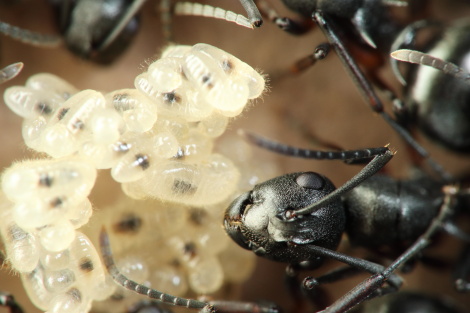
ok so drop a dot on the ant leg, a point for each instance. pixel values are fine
(286, 24)
(301, 65)
(311, 283)
(10, 72)
(299, 294)
(245, 307)
(29, 37)
(204, 307)
(7, 300)
(131, 11)
(253, 13)
(312, 290)
(320, 52)
(373, 283)
(362, 264)
(331, 277)
(328, 27)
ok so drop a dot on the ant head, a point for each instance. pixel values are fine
(263, 220)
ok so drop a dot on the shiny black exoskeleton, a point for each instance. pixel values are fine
(370, 18)
(380, 212)
(386, 213)
(255, 220)
(99, 30)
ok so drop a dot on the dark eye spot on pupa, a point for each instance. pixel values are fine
(62, 113)
(86, 265)
(45, 180)
(227, 66)
(129, 223)
(142, 160)
(190, 249)
(171, 98)
(207, 81)
(56, 202)
(44, 108)
(183, 187)
(78, 124)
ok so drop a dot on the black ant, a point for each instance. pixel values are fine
(299, 219)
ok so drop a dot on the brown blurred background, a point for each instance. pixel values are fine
(322, 100)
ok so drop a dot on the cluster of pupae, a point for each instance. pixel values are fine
(158, 141)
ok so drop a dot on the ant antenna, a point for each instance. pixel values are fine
(369, 170)
(197, 9)
(420, 58)
(277, 147)
(381, 157)
(406, 38)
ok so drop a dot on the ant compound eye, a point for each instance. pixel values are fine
(310, 180)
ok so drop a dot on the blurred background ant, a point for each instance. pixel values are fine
(96, 30)
(101, 30)
(436, 100)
